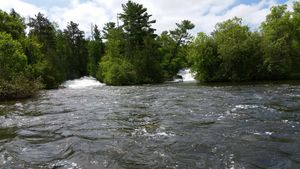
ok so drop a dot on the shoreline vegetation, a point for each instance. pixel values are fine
(133, 54)
(19, 88)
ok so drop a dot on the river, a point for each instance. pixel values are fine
(172, 125)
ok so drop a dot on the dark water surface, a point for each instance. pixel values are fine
(162, 126)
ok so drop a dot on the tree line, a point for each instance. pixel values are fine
(234, 53)
(132, 53)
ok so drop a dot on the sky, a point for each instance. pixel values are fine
(203, 13)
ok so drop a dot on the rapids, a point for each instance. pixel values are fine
(88, 125)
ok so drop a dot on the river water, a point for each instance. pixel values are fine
(175, 125)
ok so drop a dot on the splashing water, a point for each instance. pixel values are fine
(187, 75)
(84, 82)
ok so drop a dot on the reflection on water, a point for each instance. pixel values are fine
(161, 126)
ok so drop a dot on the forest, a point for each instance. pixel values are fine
(36, 54)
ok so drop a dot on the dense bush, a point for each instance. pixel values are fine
(118, 72)
(131, 55)
(12, 59)
(234, 53)
(18, 87)
(14, 82)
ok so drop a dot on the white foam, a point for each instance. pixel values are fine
(66, 164)
(231, 161)
(19, 105)
(143, 132)
(243, 107)
(268, 133)
(187, 75)
(84, 82)
(160, 134)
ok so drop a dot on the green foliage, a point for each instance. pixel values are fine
(277, 37)
(232, 53)
(60, 55)
(167, 45)
(13, 70)
(95, 52)
(63, 53)
(18, 87)
(118, 71)
(147, 62)
(12, 59)
(131, 55)
(173, 48)
(181, 34)
(43, 31)
(136, 24)
(108, 26)
(237, 49)
(77, 53)
(114, 69)
(295, 45)
(203, 54)
(281, 43)
(12, 24)
(32, 49)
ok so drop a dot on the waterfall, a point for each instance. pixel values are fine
(84, 82)
(185, 76)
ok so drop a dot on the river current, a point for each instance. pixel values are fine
(173, 125)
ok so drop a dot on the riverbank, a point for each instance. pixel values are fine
(18, 88)
(24, 89)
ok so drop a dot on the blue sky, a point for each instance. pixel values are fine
(47, 3)
(204, 13)
(51, 3)
(256, 1)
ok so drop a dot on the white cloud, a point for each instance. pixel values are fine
(85, 14)
(290, 4)
(168, 13)
(21, 7)
(204, 13)
(252, 14)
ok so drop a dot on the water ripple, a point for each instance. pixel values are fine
(161, 126)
